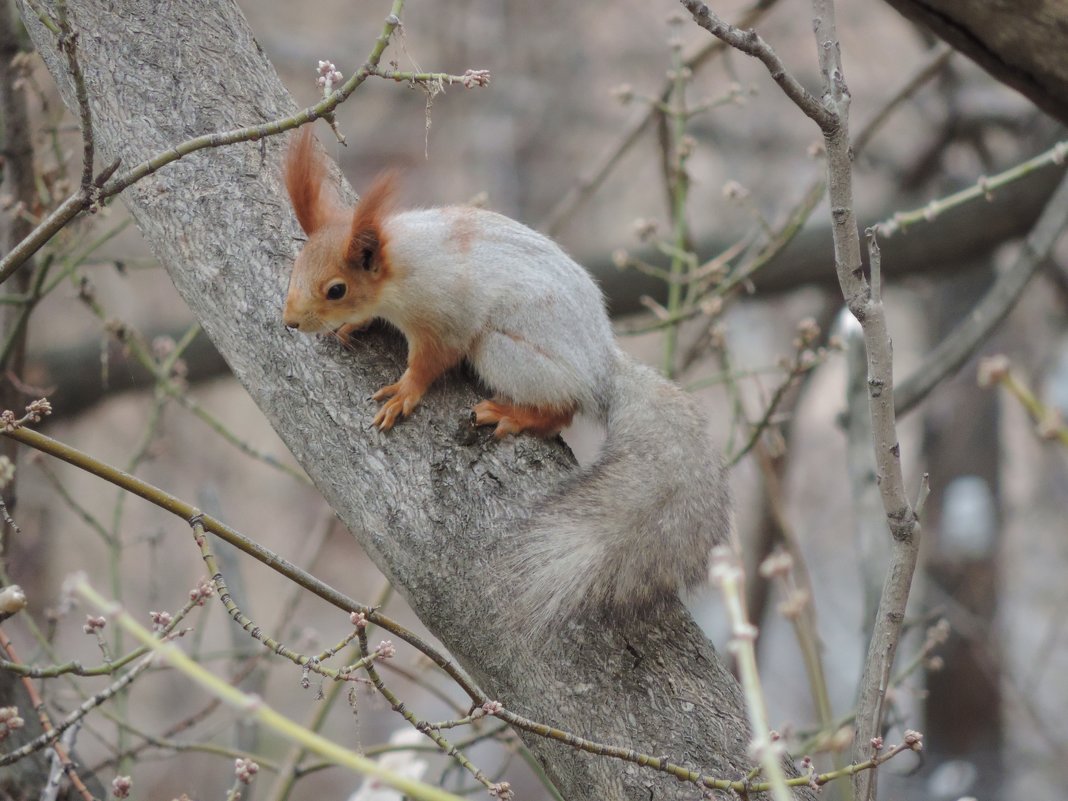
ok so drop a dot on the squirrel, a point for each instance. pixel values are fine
(466, 284)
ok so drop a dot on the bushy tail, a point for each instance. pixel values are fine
(626, 534)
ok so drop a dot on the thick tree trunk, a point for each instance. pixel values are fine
(430, 500)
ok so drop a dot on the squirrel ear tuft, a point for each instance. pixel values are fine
(306, 176)
(367, 238)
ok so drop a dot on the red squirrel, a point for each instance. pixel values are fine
(467, 284)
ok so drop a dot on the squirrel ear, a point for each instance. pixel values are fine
(367, 238)
(363, 251)
(306, 177)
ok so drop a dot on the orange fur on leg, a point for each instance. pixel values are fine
(425, 365)
(511, 418)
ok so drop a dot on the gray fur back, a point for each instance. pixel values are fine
(637, 526)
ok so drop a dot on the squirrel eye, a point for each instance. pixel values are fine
(335, 291)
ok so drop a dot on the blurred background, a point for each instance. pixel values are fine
(568, 104)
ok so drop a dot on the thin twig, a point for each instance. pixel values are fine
(62, 754)
(49, 737)
(749, 42)
(289, 770)
(984, 188)
(1049, 423)
(806, 358)
(75, 667)
(187, 512)
(68, 44)
(398, 706)
(953, 351)
(727, 574)
(255, 707)
(312, 663)
(589, 183)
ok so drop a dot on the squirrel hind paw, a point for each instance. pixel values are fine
(512, 418)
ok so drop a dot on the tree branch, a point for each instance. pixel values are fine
(953, 351)
(1022, 50)
(591, 180)
(866, 305)
(749, 42)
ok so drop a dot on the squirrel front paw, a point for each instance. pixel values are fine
(403, 397)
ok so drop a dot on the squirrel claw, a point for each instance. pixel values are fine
(402, 400)
(388, 415)
(387, 391)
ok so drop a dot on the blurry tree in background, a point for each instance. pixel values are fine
(665, 158)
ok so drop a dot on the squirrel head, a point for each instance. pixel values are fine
(339, 274)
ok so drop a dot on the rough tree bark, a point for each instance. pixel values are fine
(1019, 43)
(430, 500)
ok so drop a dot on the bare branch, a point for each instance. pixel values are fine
(961, 344)
(865, 304)
(68, 43)
(591, 181)
(984, 188)
(936, 60)
(750, 42)
(1022, 50)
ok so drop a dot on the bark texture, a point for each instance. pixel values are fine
(1019, 42)
(428, 501)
